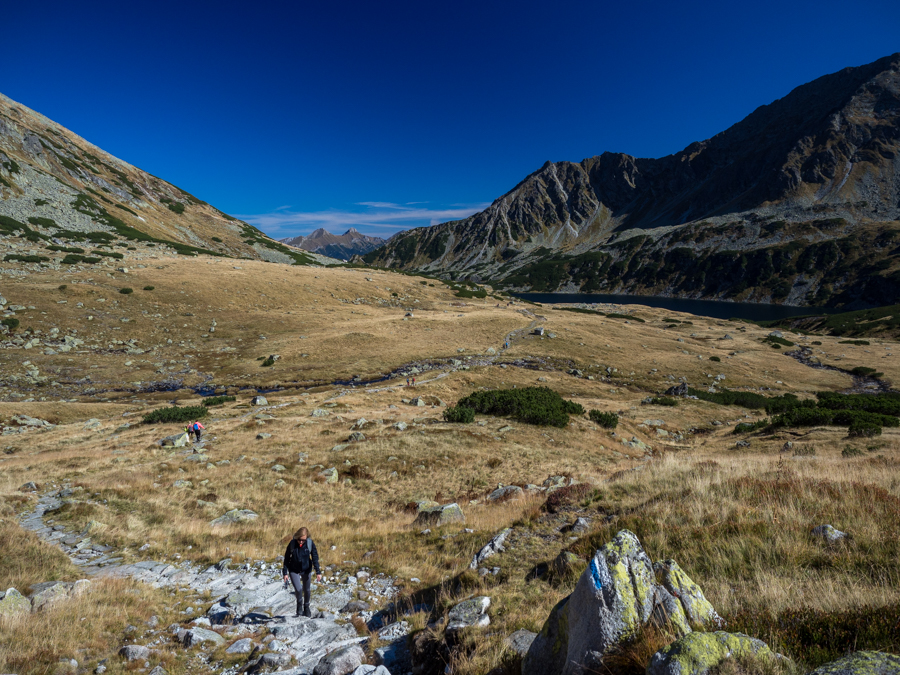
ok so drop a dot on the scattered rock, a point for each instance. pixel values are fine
(263, 436)
(13, 603)
(495, 545)
(341, 661)
(357, 437)
(438, 515)
(678, 390)
(235, 516)
(30, 486)
(135, 653)
(520, 641)
(179, 440)
(242, 646)
(181, 483)
(829, 534)
(400, 426)
(468, 614)
(196, 636)
(564, 565)
(506, 493)
(259, 400)
(329, 475)
(355, 606)
(697, 653)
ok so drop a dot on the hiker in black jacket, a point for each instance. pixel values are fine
(300, 558)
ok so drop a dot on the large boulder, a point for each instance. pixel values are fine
(13, 603)
(471, 613)
(178, 440)
(197, 636)
(135, 652)
(342, 661)
(862, 663)
(439, 514)
(494, 546)
(235, 516)
(698, 653)
(618, 593)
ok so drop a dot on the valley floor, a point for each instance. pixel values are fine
(736, 518)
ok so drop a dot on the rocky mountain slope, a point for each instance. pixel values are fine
(796, 203)
(341, 246)
(58, 190)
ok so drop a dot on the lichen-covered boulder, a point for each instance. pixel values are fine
(616, 595)
(862, 663)
(13, 603)
(697, 653)
(697, 608)
(549, 651)
(341, 661)
(441, 514)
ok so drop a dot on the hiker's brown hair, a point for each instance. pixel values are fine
(302, 532)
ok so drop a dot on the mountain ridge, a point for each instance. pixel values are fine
(340, 246)
(59, 188)
(828, 149)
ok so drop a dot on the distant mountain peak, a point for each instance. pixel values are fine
(343, 246)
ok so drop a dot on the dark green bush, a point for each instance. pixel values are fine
(177, 207)
(861, 343)
(109, 254)
(664, 400)
(625, 316)
(16, 257)
(459, 414)
(860, 429)
(607, 420)
(43, 222)
(10, 323)
(715, 358)
(175, 414)
(532, 405)
(747, 427)
(65, 249)
(268, 362)
(149, 288)
(850, 451)
(217, 240)
(126, 291)
(771, 339)
(863, 371)
(884, 404)
(61, 287)
(217, 400)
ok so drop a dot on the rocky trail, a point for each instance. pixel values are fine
(251, 607)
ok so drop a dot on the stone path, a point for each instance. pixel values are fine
(249, 600)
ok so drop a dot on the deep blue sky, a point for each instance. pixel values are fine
(389, 115)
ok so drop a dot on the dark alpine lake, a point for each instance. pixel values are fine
(717, 310)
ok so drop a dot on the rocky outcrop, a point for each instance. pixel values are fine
(617, 594)
(438, 515)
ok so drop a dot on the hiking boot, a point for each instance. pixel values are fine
(306, 611)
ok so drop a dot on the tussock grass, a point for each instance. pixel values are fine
(26, 560)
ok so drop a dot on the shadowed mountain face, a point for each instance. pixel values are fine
(829, 149)
(58, 189)
(343, 246)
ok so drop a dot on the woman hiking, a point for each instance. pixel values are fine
(300, 558)
(197, 428)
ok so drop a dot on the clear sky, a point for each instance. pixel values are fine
(388, 115)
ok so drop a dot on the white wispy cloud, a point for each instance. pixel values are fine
(373, 218)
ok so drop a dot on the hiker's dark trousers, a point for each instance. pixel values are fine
(301, 581)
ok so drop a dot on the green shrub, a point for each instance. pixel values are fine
(850, 451)
(715, 358)
(861, 343)
(460, 414)
(109, 254)
(863, 371)
(670, 320)
(268, 362)
(177, 207)
(532, 405)
(607, 420)
(61, 287)
(149, 288)
(175, 414)
(65, 249)
(126, 291)
(771, 339)
(10, 323)
(817, 342)
(747, 427)
(16, 257)
(43, 222)
(217, 240)
(664, 400)
(862, 429)
(625, 316)
(217, 400)
(395, 295)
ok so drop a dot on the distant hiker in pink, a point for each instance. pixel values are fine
(197, 428)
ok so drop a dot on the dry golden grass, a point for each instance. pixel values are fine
(737, 520)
